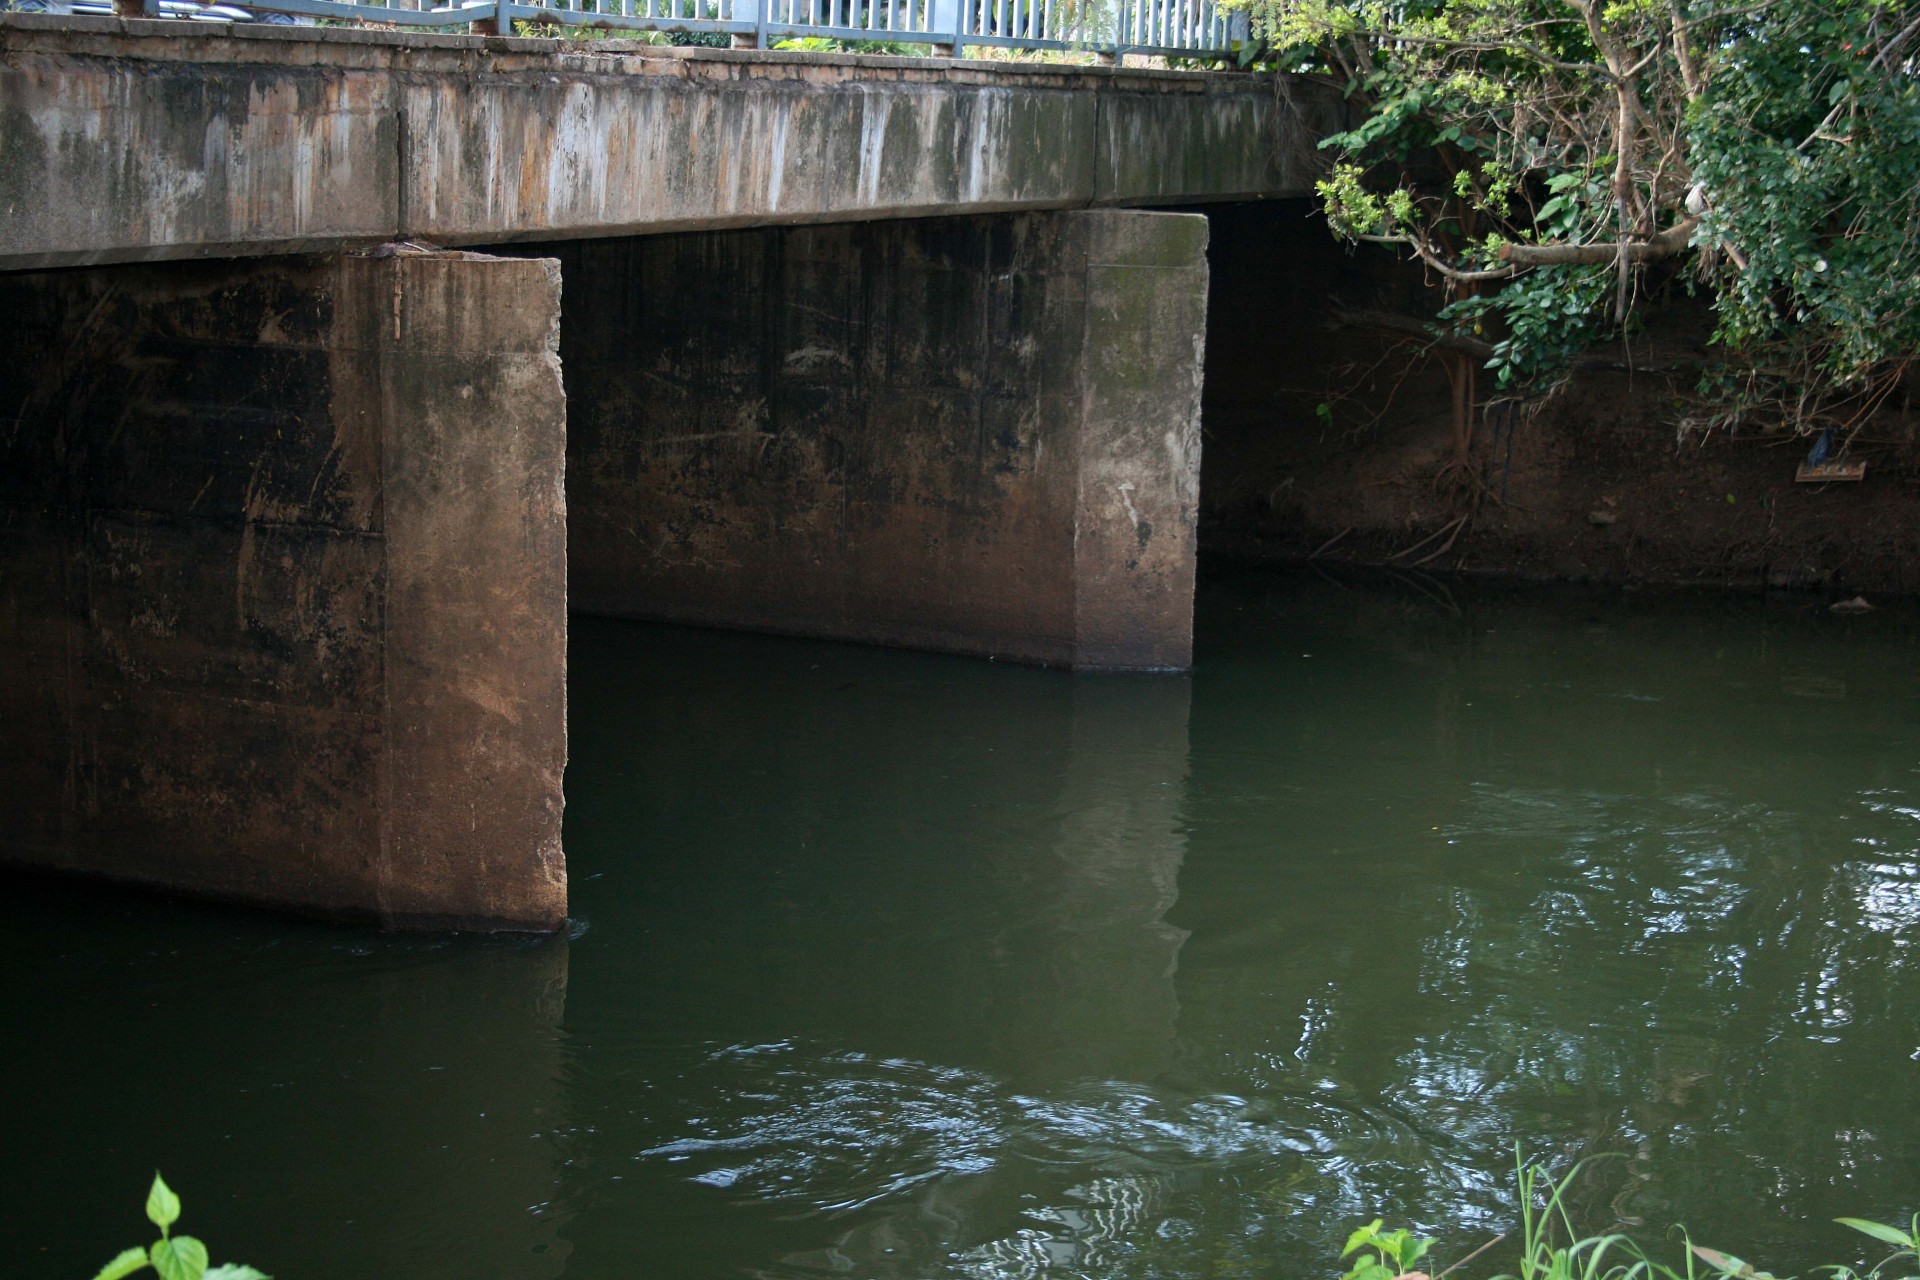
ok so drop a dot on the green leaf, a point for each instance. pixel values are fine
(1363, 1236)
(236, 1271)
(1718, 1260)
(181, 1258)
(129, 1261)
(1879, 1231)
(163, 1207)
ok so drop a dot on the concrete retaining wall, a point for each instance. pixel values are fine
(282, 598)
(137, 140)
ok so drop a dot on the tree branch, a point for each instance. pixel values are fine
(1434, 260)
(1664, 245)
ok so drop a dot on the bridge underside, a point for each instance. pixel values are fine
(285, 542)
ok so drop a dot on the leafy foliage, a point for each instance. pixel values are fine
(173, 1257)
(1552, 159)
(1383, 1255)
(1551, 1248)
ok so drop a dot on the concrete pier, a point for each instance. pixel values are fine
(283, 610)
(978, 435)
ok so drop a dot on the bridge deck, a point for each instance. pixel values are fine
(141, 140)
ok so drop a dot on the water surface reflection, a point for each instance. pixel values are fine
(902, 966)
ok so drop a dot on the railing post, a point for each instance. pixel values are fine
(1239, 31)
(1112, 57)
(943, 17)
(756, 10)
(491, 22)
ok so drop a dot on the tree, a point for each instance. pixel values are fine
(1549, 160)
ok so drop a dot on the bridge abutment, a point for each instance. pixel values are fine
(282, 583)
(978, 435)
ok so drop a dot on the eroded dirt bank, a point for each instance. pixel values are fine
(1326, 438)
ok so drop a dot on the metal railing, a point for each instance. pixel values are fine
(1109, 28)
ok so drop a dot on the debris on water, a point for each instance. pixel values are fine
(1859, 604)
(1813, 686)
(1828, 472)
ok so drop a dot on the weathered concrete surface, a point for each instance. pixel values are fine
(282, 600)
(973, 435)
(138, 140)
(1137, 383)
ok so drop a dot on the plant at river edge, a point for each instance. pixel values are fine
(1560, 164)
(1552, 1249)
(174, 1257)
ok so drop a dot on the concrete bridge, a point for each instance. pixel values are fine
(297, 483)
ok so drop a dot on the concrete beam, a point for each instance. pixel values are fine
(282, 599)
(128, 140)
(975, 435)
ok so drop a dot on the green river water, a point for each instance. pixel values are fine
(898, 965)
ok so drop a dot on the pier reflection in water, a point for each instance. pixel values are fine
(894, 965)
